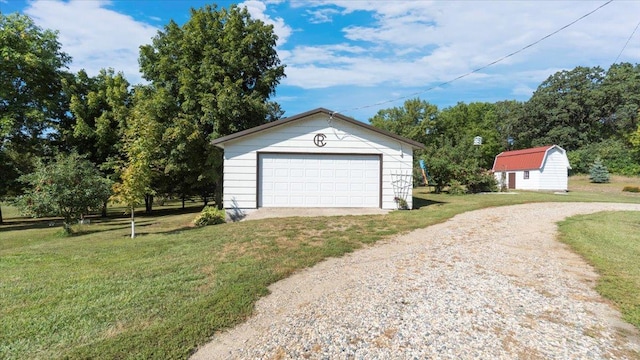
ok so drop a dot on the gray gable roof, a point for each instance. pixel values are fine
(220, 141)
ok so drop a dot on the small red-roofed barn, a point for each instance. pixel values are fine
(540, 168)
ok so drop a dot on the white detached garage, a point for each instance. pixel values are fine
(316, 159)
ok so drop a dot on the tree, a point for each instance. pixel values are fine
(444, 162)
(69, 187)
(414, 120)
(566, 109)
(141, 141)
(10, 174)
(620, 99)
(100, 106)
(31, 71)
(508, 116)
(31, 98)
(598, 173)
(219, 70)
(615, 154)
(461, 123)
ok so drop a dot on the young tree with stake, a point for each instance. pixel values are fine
(141, 141)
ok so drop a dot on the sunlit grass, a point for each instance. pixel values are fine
(100, 294)
(610, 241)
(615, 185)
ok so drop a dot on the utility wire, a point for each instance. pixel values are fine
(627, 43)
(485, 66)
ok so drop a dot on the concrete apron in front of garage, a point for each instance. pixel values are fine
(264, 213)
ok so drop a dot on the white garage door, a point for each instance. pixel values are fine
(309, 180)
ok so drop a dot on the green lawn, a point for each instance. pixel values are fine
(100, 294)
(610, 241)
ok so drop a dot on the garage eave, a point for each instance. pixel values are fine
(219, 142)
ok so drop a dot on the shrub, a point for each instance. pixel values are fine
(402, 203)
(633, 189)
(69, 187)
(482, 181)
(598, 173)
(456, 188)
(210, 216)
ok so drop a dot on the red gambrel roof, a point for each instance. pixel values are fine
(526, 159)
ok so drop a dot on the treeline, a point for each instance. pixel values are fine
(590, 112)
(210, 77)
(214, 76)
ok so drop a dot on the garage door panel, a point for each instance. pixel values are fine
(326, 173)
(281, 186)
(370, 188)
(342, 187)
(312, 186)
(327, 187)
(356, 173)
(281, 172)
(311, 201)
(318, 180)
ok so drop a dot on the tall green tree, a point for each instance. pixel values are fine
(69, 187)
(220, 69)
(566, 109)
(414, 120)
(100, 106)
(31, 72)
(32, 102)
(461, 123)
(508, 114)
(620, 94)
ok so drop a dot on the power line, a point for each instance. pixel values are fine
(484, 66)
(627, 43)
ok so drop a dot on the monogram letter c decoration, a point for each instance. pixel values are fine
(319, 140)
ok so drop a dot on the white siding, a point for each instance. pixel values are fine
(527, 184)
(555, 171)
(531, 183)
(498, 176)
(241, 160)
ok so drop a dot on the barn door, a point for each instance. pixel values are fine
(512, 180)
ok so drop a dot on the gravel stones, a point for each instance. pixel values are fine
(488, 284)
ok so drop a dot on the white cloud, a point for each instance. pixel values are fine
(322, 15)
(93, 35)
(523, 90)
(416, 43)
(258, 9)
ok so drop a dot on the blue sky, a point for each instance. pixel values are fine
(357, 57)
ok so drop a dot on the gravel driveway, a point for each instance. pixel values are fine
(487, 284)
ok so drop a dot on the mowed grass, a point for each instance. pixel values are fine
(100, 294)
(610, 241)
(615, 185)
